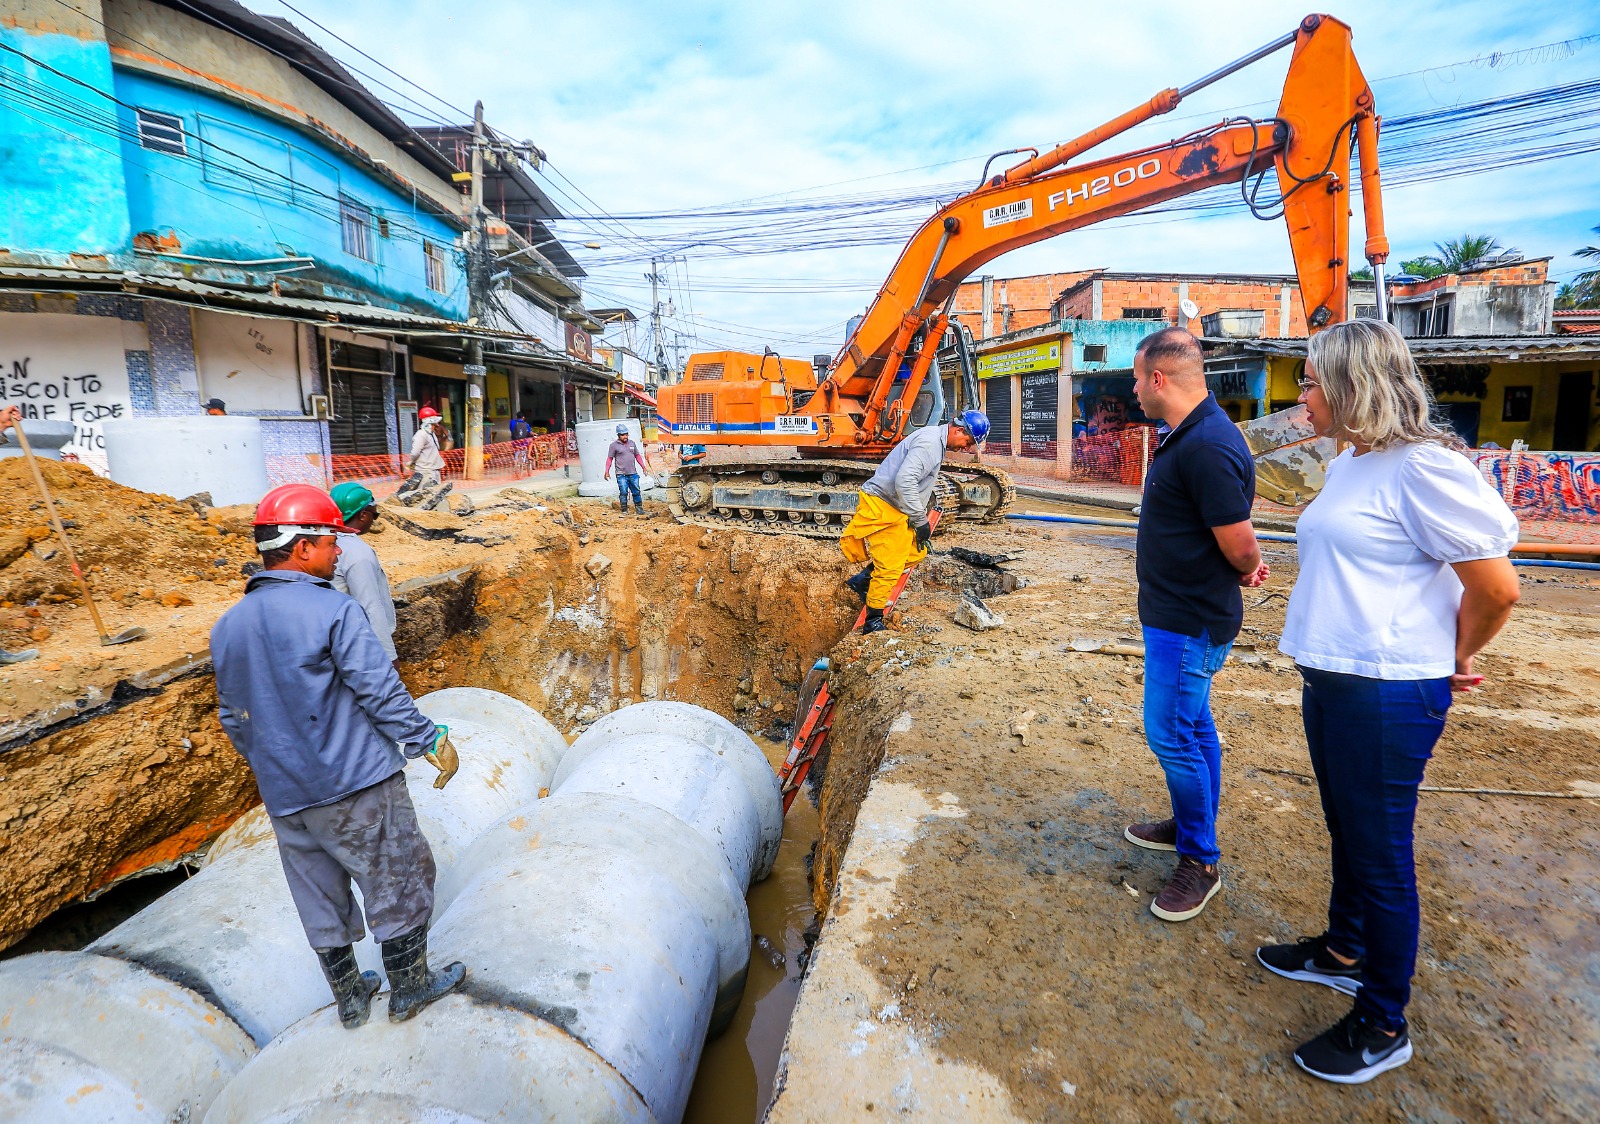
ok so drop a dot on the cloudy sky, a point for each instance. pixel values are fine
(647, 108)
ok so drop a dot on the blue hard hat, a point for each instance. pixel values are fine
(975, 423)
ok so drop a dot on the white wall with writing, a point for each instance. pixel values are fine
(248, 362)
(59, 367)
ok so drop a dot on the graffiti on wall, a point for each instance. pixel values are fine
(1553, 486)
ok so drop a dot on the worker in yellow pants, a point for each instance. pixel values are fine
(890, 530)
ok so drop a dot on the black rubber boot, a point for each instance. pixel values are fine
(858, 584)
(411, 985)
(352, 988)
(874, 622)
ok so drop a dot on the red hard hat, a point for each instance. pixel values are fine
(427, 412)
(302, 505)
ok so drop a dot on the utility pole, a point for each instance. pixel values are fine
(655, 320)
(477, 305)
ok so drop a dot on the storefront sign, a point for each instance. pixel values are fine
(1236, 384)
(1041, 397)
(1020, 360)
(70, 368)
(578, 343)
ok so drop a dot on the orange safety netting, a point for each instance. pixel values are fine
(503, 462)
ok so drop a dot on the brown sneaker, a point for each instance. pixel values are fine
(1186, 893)
(1162, 835)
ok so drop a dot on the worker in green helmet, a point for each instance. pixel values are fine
(359, 573)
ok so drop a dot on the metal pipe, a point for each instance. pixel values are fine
(1279, 536)
(1238, 64)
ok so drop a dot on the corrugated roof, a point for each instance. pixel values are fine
(223, 299)
(1464, 349)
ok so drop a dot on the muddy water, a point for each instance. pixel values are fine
(734, 1082)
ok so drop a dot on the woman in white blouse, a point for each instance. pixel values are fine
(1404, 576)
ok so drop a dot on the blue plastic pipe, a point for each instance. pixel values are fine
(1273, 536)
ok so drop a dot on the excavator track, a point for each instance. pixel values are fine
(816, 498)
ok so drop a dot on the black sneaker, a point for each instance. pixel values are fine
(1308, 959)
(1353, 1051)
(859, 583)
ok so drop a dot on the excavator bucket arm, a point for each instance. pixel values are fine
(1326, 107)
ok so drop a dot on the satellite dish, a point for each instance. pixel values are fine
(1189, 308)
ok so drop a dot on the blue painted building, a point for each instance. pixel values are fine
(200, 203)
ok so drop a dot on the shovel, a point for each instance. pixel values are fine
(127, 634)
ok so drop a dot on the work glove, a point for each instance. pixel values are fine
(924, 533)
(443, 756)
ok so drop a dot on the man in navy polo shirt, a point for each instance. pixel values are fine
(1196, 549)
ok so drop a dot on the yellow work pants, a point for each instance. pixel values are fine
(880, 532)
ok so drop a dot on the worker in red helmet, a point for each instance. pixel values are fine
(426, 460)
(311, 701)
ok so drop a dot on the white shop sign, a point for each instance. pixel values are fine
(251, 364)
(60, 367)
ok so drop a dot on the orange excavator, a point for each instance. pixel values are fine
(879, 387)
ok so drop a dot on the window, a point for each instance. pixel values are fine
(355, 220)
(1094, 353)
(1144, 314)
(1366, 312)
(161, 132)
(1434, 320)
(433, 260)
(1517, 405)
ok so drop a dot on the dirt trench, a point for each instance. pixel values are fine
(578, 613)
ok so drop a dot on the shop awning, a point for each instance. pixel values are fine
(635, 392)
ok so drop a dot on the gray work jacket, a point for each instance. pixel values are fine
(308, 695)
(361, 575)
(907, 475)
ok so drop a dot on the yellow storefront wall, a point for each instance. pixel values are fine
(1538, 431)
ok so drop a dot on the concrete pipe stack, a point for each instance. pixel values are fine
(604, 929)
(154, 1018)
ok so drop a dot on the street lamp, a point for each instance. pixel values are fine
(536, 245)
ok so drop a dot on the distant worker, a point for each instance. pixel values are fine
(310, 700)
(426, 460)
(890, 529)
(9, 417)
(359, 573)
(628, 457)
(216, 408)
(1404, 577)
(692, 455)
(1196, 547)
(521, 435)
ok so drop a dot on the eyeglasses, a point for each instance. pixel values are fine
(1307, 384)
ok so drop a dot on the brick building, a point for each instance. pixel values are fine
(998, 306)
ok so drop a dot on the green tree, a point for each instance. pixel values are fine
(1457, 254)
(1590, 278)
(1577, 295)
(1425, 266)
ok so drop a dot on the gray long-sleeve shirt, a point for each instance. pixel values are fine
(907, 475)
(361, 575)
(308, 695)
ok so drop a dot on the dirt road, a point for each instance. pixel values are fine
(1019, 942)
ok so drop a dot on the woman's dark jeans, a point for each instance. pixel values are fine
(1370, 740)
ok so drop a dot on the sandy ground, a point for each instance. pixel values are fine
(1019, 944)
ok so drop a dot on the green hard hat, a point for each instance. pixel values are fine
(351, 498)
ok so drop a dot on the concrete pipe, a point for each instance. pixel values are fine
(88, 1038)
(683, 778)
(707, 729)
(606, 917)
(232, 934)
(603, 821)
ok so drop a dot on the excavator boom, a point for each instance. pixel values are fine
(872, 390)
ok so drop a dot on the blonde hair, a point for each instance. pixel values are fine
(1374, 390)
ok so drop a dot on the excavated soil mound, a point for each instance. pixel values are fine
(131, 544)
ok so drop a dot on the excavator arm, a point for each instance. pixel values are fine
(1326, 110)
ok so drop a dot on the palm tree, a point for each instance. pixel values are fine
(1457, 254)
(1573, 295)
(1590, 278)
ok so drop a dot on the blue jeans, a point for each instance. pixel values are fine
(1370, 740)
(1178, 726)
(629, 482)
